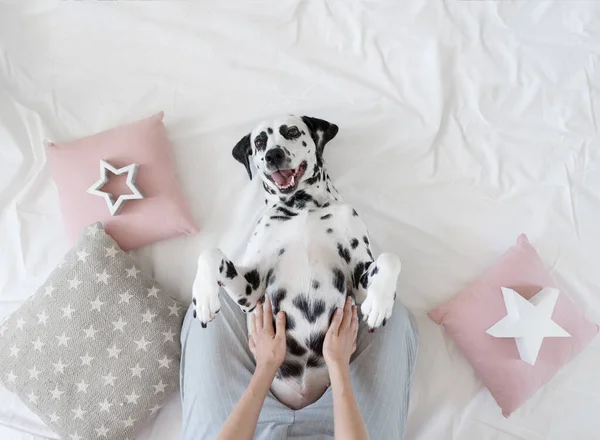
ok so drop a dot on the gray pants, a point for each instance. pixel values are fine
(216, 367)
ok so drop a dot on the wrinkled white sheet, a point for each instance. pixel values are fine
(462, 124)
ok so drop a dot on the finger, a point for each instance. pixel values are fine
(268, 316)
(251, 344)
(281, 325)
(253, 324)
(347, 314)
(259, 316)
(354, 319)
(334, 328)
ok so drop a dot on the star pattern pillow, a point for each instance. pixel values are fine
(95, 352)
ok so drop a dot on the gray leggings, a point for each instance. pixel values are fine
(216, 367)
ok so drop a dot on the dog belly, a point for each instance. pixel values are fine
(297, 395)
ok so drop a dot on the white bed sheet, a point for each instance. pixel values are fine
(462, 124)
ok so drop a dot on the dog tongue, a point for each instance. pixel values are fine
(282, 177)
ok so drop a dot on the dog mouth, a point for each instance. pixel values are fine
(287, 180)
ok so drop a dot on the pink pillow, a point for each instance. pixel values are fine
(163, 213)
(496, 361)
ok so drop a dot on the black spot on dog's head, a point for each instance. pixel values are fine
(326, 216)
(303, 143)
(354, 243)
(366, 240)
(242, 301)
(270, 130)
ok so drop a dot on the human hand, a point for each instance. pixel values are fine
(340, 340)
(268, 345)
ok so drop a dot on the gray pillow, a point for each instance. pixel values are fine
(95, 352)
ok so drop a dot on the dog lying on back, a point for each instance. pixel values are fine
(308, 252)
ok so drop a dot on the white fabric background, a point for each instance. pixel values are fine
(462, 124)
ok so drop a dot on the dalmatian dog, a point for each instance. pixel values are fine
(308, 252)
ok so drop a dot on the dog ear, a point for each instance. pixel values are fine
(242, 152)
(321, 131)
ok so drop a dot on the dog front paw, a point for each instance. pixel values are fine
(206, 300)
(377, 308)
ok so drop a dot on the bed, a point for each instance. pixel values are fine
(462, 124)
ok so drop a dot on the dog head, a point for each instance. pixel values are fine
(287, 152)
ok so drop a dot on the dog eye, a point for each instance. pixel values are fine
(293, 132)
(260, 143)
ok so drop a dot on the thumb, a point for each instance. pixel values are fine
(336, 321)
(280, 325)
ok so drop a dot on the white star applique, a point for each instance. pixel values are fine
(86, 360)
(48, 290)
(132, 272)
(68, 311)
(102, 431)
(78, 413)
(90, 332)
(75, 436)
(53, 417)
(175, 308)
(109, 379)
(105, 406)
(82, 255)
(148, 316)
(125, 297)
(155, 408)
(114, 351)
(20, 323)
(33, 398)
(142, 344)
(129, 422)
(14, 351)
(82, 387)
(164, 362)
(63, 340)
(38, 344)
(160, 387)
(112, 251)
(42, 317)
(59, 367)
(132, 398)
(153, 292)
(115, 206)
(169, 336)
(34, 373)
(136, 371)
(103, 277)
(74, 283)
(91, 231)
(96, 304)
(118, 325)
(11, 377)
(56, 393)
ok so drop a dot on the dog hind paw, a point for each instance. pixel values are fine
(206, 301)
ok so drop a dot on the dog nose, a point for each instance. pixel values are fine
(275, 156)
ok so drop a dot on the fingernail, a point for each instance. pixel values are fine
(371, 330)
(339, 311)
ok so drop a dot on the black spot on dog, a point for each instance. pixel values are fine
(384, 322)
(332, 313)
(339, 280)
(315, 342)
(303, 144)
(267, 225)
(326, 205)
(243, 302)
(290, 369)
(299, 199)
(303, 132)
(286, 211)
(354, 243)
(344, 252)
(268, 188)
(359, 270)
(366, 240)
(312, 180)
(326, 216)
(364, 280)
(394, 296)
(294, 347)
(269, 276)
(374, 271)
(270, 130)
(221, 266)
(194, 301)
(290, 322)
(281, 251)
(315, 361)
(253, 278)
(250, 310)
(316, 284)
(310, 309)
(276, 299)
(231, 272)
(329, 230)
(354, 213)
(282, 218)
(370, 254)
(194, 313)
(248, 289)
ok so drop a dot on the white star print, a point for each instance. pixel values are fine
(59, 367)
(38, 344)
(174, 309)
(82, 387)
(105, 406)
(148, 316)
(90, 332)
(125, 297)
(74, 283)
(56, 393)
(82, 255)
(86, 360)
(119, 324)
(32, 398)
(155, 408)
(14, 351)
(132, 398)
(78, 413)
(136, 371)
(132, 272)
(111, 251)
(168, 336)
(49, 290)
(142, 344)
(76, 436)
(68, 311)
(20, 323)
(11, 377)
(34, 373)
(96, 304)
(114, 351)
(159, 388)
(109, 380)
(129, 422)
(53, 417)
(103, 277)
(102, 431)
(63, 340)
(42, 317)
(92, 230)
(153, 292)
(164, 362)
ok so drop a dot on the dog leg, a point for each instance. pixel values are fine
(243, 284)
